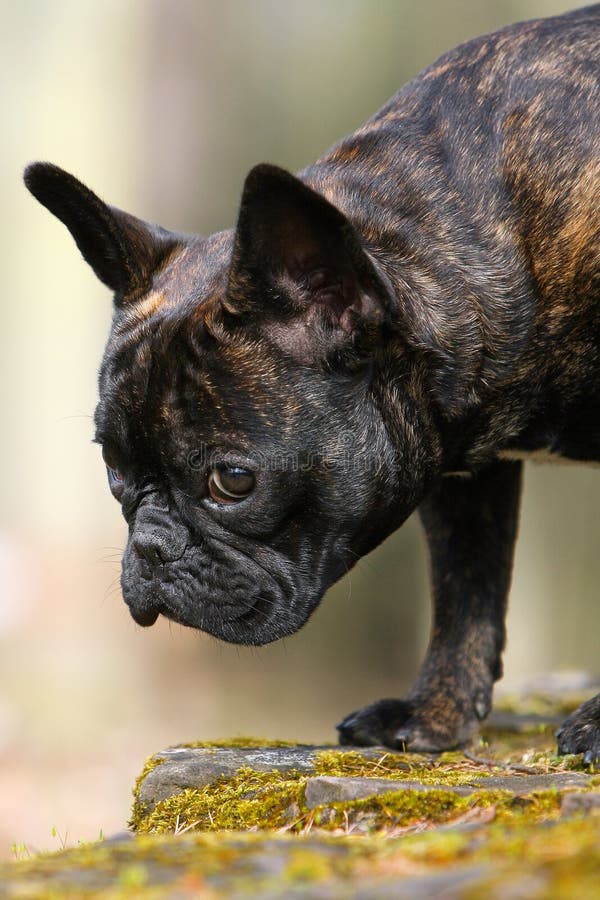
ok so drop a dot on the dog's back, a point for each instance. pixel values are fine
(477, 186)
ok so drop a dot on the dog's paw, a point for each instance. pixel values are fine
(407, 725)
(376, 724)
(580, 733)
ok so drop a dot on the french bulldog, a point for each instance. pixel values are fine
(395, 328)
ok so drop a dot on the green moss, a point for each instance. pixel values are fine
(138, 810)
(306, 865)
(398, 809)
(352, 762)
(247, 800)
(449, 769)
(211, 865)
(386, 813)
(269, 801)
(561, 859)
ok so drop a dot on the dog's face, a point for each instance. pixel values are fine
(237, 417)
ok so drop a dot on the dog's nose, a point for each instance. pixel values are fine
(158, 547)
(157, 536)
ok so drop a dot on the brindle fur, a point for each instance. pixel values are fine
(431, 288)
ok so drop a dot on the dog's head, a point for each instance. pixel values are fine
(239, 414)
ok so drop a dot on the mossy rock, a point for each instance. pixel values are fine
(251, 785)
(270, 819)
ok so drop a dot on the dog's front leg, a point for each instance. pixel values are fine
(471, 526)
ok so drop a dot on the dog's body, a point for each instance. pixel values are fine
(439, 310)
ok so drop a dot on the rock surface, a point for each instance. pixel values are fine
(251, 819)
(325, 789)
(197, 767)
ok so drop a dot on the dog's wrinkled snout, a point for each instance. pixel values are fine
(157, 548)
(157, 539)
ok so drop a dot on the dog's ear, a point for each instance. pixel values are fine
(123, 251)
(298, 261)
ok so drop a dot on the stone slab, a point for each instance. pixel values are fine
(325, 789)
(197, 767)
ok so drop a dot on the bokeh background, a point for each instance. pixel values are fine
(162, 106)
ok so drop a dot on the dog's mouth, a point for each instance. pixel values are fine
(230, 596)
(261, 620)
(255, 613)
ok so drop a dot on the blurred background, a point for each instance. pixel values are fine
(162, 106)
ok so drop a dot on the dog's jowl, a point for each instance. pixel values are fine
(396, 327)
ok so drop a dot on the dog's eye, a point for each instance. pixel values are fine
(115, 478)
(115, 482)
(230, 485)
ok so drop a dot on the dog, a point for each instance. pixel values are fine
(397, 327)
